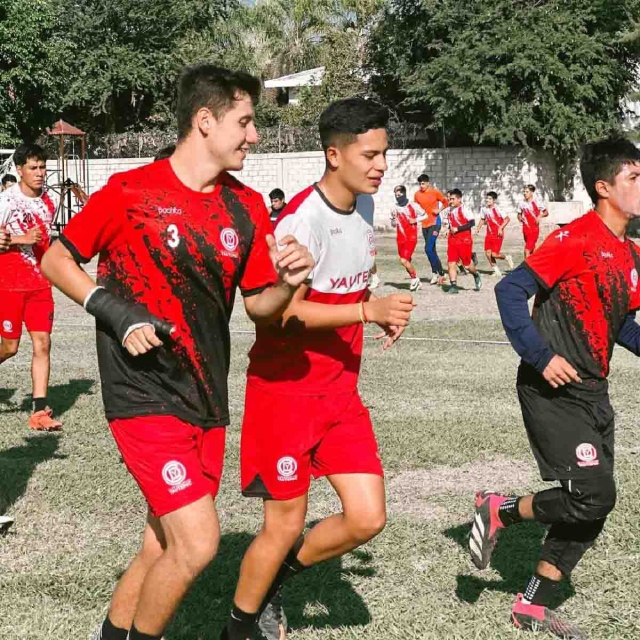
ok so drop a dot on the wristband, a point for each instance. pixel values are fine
(361, 312)
(365, 320)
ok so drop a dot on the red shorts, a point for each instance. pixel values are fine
(493, 243)
(286, 439)
(406, 246)
(459, 249)
(174, 463)
(531, 236)
(34, 308)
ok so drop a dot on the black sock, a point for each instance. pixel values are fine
(290, 567)
(39, 404)
(110, 632)
(540, 590)
(241, 625)
(508, 511)
(134, 634)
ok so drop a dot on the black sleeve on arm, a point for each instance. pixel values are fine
(77, 256)
(512, 294)
(629, 335)
(466, 225)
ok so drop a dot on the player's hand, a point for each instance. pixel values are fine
(142, 340)
(390, 311)
(34, 235)
(453, 231)
(391, 334)
(500, 233)
(559, 372)
(5, 239)
(292, 261)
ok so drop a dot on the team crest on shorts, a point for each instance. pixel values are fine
(287, 468)
(230, 241)
(174, 474)
(7, 325)
(587, 455)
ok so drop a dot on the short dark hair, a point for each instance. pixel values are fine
(216, 88)
(6, 179)
(402, 188)
(342, 121)
(531, 187)
(423, 177)
(276, 194)
(27, 151)
(165, 152)
(603, 160)
(492, 194)
(456, 192)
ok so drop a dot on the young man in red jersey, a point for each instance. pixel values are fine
(460, 241)
(496, 223)
(303, 414)
(176, 238)
(529, 213)
(585, 279)
(26, 214)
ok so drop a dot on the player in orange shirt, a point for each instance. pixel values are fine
(431, 200)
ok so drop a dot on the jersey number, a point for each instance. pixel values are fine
(174, 237)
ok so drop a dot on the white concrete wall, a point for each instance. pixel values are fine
(474, 170)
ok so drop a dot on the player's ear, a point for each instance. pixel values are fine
(203, 120)
(332, 156)
(603, 189)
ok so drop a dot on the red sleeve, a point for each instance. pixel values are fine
(259, 272)
(98, 225)
(556, 259)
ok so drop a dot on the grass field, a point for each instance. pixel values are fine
(448, 423)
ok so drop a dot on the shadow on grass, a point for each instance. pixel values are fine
(514, 558)
(319, 598)
(61, 397)
(18, 463)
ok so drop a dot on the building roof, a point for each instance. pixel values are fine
(308, 78)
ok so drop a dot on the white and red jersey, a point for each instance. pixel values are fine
(405, 219)
(493, 219)
(316, 362)
(459, 216)
(20, 265)
(530, 212)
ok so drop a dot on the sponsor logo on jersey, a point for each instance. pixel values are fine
(174, 474)
(606, 254)
(230, 241)
(287, 468)
(169, 211)
(347, 282)
(634, 279)
(335, 232)
(587, 455)
(7, 325)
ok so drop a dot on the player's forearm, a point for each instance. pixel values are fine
(466, 226)
(512, 294)
(269, 305)
(629, 335)
(62, 271)
(22, 240)
(318, 316)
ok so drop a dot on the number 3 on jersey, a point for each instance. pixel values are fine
(174, 236)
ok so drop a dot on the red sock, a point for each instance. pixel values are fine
(412, 274)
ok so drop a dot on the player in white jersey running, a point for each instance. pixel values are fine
(303, 415)
(26, 215)
(496, 223)
(529, 213)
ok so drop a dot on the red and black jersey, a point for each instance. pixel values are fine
(181, 254)
(590, 284)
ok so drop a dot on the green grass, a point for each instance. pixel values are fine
(448, 422)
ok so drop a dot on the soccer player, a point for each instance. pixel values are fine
(460, 241)
(175, 238)
(529, 213)
(585, 279)
(431, 200)
(7, 181)
(26, 214)
(303, 415)
(405, 218)
(496, 223)
(278, 203)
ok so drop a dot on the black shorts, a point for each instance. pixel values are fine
(571, 437)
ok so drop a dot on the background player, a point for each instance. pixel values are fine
(496, 224)
(7, 181)
(431, 200)
(405, 218)
(26, 214)
(460, 241)
(278, 203)
(175, 238)
(585, 278)
(303, 413)
(529, 213)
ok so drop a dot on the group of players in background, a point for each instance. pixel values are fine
(177, 237)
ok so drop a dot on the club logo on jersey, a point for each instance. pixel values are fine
(634, 279)
(174, 474)
(287, 468)
(229, 239)
(587, 455)
(562, 235)
(7, 325)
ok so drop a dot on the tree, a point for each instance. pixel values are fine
(549, 73)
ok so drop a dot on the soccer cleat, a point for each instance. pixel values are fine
(497, 273)
(5, 523)
(434, 279)
(509, 260)
(453, 288)
(374, 281)
(272, 623)
(415, 284)
(534, 617)
(478, 280)
(44, 421)
(486, 526)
